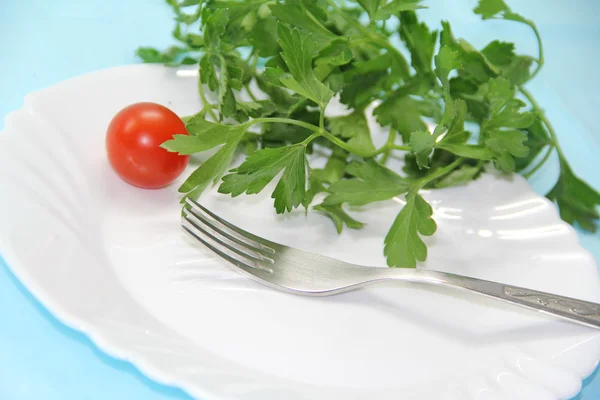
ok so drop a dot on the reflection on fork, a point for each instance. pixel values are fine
(301, 272)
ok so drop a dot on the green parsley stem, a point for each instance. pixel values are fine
(542, 116)
(439, 172)
(250, 55)
(297, 106)
(540, 60)
(318, 132)
(205, 102)
(374, 37)
(479, 164)
(322, 119)
(362, 40)
(390, 145)
(383, 43)
(344, 145)
(284, 121)
(255, 61)
(311, 138)
(339, 142)
(252, 96)
(529, 173)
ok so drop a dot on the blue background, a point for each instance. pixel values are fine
(43, 42)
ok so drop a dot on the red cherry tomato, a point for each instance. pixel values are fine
(133, 142)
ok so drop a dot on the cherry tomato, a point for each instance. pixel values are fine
(133, 142)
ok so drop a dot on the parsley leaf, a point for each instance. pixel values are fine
(208, 72)
(461, 149)
(489, 8)
(339, 217)
(475, 67)
(213, 168)
(457, 124)
(373, 182)
(497, 8)
(332, 56)
(319, 179)
(214, 27)
(396, 6)
(419, 41)
(519, 70)
(371, 6)
(500, 92)
(252, 109)
(445, 61)
(173, 56)
(363, 86)
(537, 139)
(505, 144)
(353, 127)
(505, 113)
(263, 38)
(455, 138)
(513, 67)
(405, 122)
(180, 15)
(460, 176)
(244, 17)
(499, 53)
(226, 98)
(298, 15)
(298, 54)
(334, 169)
(261, 167)
(578, 202)
(421, 144)
(311, 49)
(214, 60)
(186, 144)
(403, 244)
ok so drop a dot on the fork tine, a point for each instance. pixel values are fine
(242, 249)
(238, 262)
(258, 241)
(223, 231)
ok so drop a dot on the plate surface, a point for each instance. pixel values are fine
(111, 260)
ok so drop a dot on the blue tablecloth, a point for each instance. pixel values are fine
(44, 42)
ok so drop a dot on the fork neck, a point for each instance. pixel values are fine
(422, 275)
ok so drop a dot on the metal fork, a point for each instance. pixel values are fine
(300, 272)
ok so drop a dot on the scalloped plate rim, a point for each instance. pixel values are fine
(96, 334)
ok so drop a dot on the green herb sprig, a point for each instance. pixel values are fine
(312, 50)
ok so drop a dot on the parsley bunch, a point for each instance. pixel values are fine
(313, 50)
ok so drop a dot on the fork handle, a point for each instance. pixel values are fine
(580, 311)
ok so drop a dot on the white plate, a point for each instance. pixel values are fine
(112, 261)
